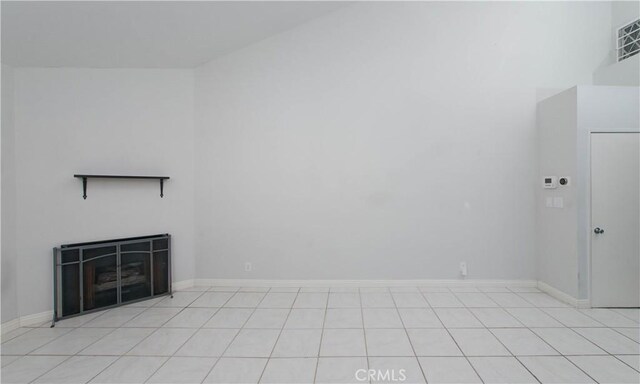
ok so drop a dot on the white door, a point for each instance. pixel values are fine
(615, 219)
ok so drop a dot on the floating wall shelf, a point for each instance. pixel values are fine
(86, 177)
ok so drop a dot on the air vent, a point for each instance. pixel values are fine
(628, 42)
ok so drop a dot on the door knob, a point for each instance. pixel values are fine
(598, 231)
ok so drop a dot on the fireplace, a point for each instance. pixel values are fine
(102, 274)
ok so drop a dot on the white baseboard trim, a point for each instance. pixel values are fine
(178, 285)
(363, 283)
(562, 296)
(39, 318)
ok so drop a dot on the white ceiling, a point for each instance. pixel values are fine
(160, 34)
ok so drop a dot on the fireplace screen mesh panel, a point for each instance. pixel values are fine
(97, 275)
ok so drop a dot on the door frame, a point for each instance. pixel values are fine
(589, 207)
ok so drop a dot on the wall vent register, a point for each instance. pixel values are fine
(628, 42)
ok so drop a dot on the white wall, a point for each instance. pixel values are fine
(121, 121)
(556, 230)
(387, 140)
(9, 261)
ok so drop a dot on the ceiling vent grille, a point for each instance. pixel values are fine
(628, 40)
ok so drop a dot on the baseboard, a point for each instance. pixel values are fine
(364, 283)
(39, 318)
(178, 285)
(562, 296)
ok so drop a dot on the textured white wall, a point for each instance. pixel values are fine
(9, 260)
(387, 140)
(119, 121)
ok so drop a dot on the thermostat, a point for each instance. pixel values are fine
(550, 182)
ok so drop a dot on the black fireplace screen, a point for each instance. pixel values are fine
(98, 275)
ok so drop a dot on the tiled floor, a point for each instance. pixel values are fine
(328, 335)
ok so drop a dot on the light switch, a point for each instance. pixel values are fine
(558, 202)
(549, 202)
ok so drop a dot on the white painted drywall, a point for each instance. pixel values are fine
(556, 229)
(565, 122)
(384, 141)
(9, 261)
(112, 121)
(626, 72)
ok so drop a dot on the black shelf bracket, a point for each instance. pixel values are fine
(86, 177)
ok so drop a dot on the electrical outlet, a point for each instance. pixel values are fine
(248, 267)
(463, 268)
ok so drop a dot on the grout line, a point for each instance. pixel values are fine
(415, 355)
(324, 321)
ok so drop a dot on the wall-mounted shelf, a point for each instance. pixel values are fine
(86, 177)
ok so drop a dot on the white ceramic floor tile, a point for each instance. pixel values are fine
(254, 289)
(523, 342)
(442, 300)
(29, 368)
(475, 300)
(268, 318)
(236, 370)
(152, 317)
(434, 289)
(344, 300)
(453, 370)
(374, 290)
(15, 333)
(410, 300)
(610, 340)
(341, 370)
(73, 342)
(377, 300)
(632, 333)
(212, 299)
(554, 369)
(494, 289)
(533, 317)
(7, 359)
(433, 342)
(229, 318)
(298, 343)
(114, 318)
(343, 343)
(478, 342)
(298, 371)
(253, 343)
(77, 321)
(77, 369)
(568, 342)
(524, 289)
(311, 300)
(314, 289)
(343, 318)
(419, 318)
(631, 360)
(509, 300)
(572, 317)
(130, 369)
(463, 289)
(388, 342)
(542, 300)
(187, 370)
(606, 369)
(245, 300)
(118, 342)
(609, 317)
(180, 299)
(224, 289)
(400, 289)
(496, 318)
(631, 313)
(506, 370)
(284, 290)
(162, 342)
(147, 303)
(393, 369)
(191, 318)
(457, 318)
(208, 342)
(381, 318)
(278, 300)
(305, 319)
(32, 340)
(344, 290)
